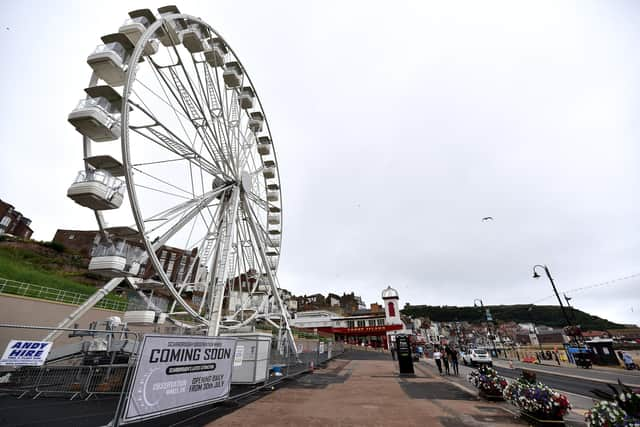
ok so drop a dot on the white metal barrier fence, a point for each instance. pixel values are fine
(13, 287)
(71, 369)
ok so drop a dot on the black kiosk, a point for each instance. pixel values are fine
(405, 361)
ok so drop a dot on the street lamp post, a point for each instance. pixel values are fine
(481, 304)
(489, 323)
(553, 285)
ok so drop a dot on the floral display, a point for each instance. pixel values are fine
(537, 400)
(488, 381)
(609, 414)
(621, 408)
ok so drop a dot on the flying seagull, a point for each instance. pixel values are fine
(487, 218)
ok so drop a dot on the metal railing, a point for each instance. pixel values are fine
(62, 380)
(108, 379)
(84, 381)
(66, 376)
(13, 287)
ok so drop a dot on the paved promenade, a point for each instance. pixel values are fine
(363, 388)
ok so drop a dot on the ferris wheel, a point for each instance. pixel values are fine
(172, 119)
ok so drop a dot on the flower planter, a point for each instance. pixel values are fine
(538, 404)
(489, 384)
(540, 419)
(618, 409)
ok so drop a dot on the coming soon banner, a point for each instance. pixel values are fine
(177, 372)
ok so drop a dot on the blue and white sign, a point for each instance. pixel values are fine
(26, 353)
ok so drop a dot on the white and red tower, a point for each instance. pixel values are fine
(391, 306)
(392, 320)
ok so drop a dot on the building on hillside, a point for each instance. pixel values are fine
(369, 327)
(311, 302)
(595, 334)
(508, 330)
(285, 294)
(292, 305)
(526, 336)
(350, 303)
(551, 336)
(13, 222)
(530, 334)
(627, 334)
(315, 299)
(432, 332)
(333, 300)
(375, 307)
(288, 300)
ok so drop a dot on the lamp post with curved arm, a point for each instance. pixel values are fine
(562, 308)
(553, 285)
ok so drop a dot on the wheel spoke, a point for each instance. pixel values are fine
(189, 193)
(165, 138)
(190, 107)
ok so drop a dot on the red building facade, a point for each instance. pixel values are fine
(13, 222)
(365, 327)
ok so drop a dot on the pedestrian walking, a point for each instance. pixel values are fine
(437, 356)
(445, 362)
(453, 356)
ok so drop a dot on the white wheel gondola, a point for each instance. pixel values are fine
(199, 167)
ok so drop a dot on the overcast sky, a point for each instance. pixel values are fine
(398, 127)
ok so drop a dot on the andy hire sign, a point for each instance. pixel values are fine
(26, 353)
(177, 372)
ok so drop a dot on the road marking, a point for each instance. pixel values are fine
(562, 374)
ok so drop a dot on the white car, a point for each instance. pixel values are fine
(477, 356)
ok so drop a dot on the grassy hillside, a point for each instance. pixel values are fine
(548, 315)
(38, 264)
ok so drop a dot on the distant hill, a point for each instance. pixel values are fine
(548, 315)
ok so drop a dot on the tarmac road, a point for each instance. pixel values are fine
(560, 382)
(609, 375)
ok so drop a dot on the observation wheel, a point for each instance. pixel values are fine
(199, 237)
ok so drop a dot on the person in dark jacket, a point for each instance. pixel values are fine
(453, 357)
(445, 361)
